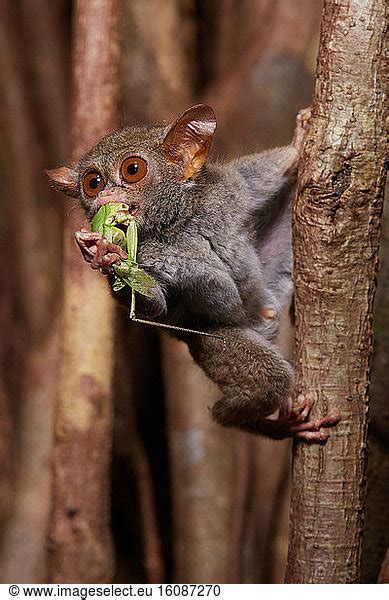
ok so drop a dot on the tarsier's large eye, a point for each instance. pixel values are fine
(92, 183)
(133, 169)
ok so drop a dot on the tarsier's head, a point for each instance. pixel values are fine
(147, 168)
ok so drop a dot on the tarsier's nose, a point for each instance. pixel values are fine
(110, 195)
(117, 194)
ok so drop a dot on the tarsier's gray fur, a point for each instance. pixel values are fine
(219, 247)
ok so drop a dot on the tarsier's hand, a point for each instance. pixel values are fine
(102, 254)
(152, 308)
(302, 121)
(96, 250)
(300, 130)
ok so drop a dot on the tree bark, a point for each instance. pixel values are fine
(337, 220)
(80, 535)
(32, 261)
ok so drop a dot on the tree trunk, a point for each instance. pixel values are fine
(80, 536)
(32, 265)
(336, 235)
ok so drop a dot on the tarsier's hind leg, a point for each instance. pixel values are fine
(254, 379)
(256, 382)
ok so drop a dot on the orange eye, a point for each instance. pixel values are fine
(133, 169)
(93, 183)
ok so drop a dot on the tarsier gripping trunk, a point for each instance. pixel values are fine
(216, 241)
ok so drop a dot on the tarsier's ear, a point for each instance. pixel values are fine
(189, 139)
(64, 179)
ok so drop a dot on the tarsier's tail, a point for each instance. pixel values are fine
(254, 379)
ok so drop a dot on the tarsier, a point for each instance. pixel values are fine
(217, 240)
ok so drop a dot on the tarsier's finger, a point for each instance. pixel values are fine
(87, 237)
(302, 121)
(268, 313)
(107, 261)
(87, 241)
(115, 249)
(104, 246)
(301, 408)
(98, 257)
(304, 116)
(88, 253)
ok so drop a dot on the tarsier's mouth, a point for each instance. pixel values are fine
(134, 208)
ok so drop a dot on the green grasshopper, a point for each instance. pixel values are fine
(127, 272)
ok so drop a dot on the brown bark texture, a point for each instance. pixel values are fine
(191, 500)
(337, 219)
(80, 539)
(30, 294)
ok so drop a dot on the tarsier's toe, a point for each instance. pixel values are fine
(321, 435)
(301, 409)
(310, 430)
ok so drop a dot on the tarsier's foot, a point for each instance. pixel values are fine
(302, 121)
(96, 250)
(294, 421)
